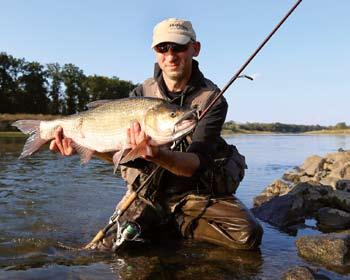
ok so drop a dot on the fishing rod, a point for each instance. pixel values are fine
(114, 220)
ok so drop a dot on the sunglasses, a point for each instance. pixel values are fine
(176, 48)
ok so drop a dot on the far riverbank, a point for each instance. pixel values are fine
(7, 119)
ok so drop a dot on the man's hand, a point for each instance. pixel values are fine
(137, 136)
(179, 163)
(61, 144)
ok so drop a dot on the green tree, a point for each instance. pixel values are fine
(341, 125)
(55, 94)
(10, 69)
(33, 92)
(75, 94)
(99, 87)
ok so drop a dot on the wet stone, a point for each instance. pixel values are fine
(276, 188)
(281, 211)
(302, 273)
(331, 250)
(343, 185)
(333, 219)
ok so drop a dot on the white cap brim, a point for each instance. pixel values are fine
(173, 38)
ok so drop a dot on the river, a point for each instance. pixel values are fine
(47, 199)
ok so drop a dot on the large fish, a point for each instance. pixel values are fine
(103, 128)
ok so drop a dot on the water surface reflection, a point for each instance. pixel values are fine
(46, 199)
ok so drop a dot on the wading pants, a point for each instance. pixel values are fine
(223, 220)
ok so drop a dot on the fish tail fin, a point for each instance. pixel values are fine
(34, 142)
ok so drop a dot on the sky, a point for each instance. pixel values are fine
(301, 75)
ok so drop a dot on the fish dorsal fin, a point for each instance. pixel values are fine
(98, 103)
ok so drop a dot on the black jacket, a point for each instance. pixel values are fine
(206, 139)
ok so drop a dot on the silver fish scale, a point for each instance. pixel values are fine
(104, 128)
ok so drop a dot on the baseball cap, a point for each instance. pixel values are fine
(173, 30)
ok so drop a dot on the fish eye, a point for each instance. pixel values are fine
(173, 114)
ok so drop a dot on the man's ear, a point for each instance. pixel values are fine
(197, 48)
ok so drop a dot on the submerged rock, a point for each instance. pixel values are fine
(331, 219)
(331, 250)
(302, 273)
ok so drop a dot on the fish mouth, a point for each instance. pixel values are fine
(186, 122)
(182, 127)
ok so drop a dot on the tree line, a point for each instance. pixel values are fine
(279, 127)
(30, 87)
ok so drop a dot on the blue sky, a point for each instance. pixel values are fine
(302, 73)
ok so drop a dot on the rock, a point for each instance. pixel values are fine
(281, 211)
(261, 199)
(302, 273)
(331, 250)
(327, 170)
(312, 164)
(292, 176)
(276, 188)
(343, 185)
(292, 208)
(339, 168)
(329, 181)
(327, 166)
(346, 172)
(338, 199)
(332, 219)
(334, 157)
(305, 179)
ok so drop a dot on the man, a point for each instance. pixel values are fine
(193, 191)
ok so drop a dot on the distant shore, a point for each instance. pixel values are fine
(17, 134)
(317, 132)
(6, 130)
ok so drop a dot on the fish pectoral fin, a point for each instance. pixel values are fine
(85, 153)
(142, 149)
(116, 159)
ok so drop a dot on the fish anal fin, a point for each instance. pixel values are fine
(85, 153)
(142, 149)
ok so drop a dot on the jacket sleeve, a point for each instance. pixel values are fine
(206, 138)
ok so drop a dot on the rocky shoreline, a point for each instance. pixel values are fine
(319, 189)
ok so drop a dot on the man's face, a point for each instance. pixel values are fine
(177, 65)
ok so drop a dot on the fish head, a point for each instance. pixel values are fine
(167, 122)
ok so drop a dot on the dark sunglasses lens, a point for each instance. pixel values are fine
(179, 48)
(163, 48)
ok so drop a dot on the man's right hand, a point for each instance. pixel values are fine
(61, 144)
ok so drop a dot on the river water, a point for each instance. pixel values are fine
(47, 199)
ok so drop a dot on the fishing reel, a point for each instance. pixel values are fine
(129, 231)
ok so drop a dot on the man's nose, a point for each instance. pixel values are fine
(170, 54)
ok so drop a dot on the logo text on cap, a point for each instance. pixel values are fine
(178, 26)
